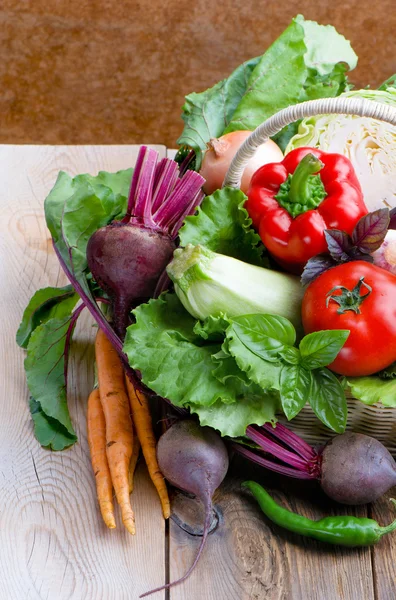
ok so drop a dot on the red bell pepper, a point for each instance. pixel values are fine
(292, 202)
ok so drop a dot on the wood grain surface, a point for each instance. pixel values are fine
(53, 545)
(102, 71)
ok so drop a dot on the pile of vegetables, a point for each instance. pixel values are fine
(235, 307)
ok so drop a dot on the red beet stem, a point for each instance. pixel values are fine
(276, 450)
(291, 439)
(271, 465)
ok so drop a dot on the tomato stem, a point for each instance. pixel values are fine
(349, 299)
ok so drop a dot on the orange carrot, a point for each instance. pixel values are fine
(96, 429)
(134, 459)
(119, 434)
(142, 420)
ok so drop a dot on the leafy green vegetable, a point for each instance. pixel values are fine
(45, 369)
(174, 361)
(212, 328)
(208, 113)
(49, 432)
(320, 348)
(45, 304)
(220, 368)
(263, 373)
(306, 62)
(327, 400)
(76, 207)
(371, 390)
(262, 344)
(224, 226)
(295, 387)
(264, 335)
(232, 419)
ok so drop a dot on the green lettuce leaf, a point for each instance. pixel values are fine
(45, 304)
(306, 62)
(256, 408)
(212, 328)
(45, 370)
(224, 226)
(207, 114)
(49, 432)
(372, 389)
(174, 361)
(264, 374)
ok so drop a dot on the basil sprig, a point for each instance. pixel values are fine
(264, 344)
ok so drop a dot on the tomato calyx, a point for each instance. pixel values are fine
(349, 299)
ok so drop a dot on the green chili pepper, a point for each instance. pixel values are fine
(346, 530)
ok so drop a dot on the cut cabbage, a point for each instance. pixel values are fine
(369, 144)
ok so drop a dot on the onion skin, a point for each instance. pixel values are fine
(220, 153)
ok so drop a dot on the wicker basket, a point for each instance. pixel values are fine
(376, 420)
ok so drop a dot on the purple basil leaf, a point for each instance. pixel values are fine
(370, 230)
(316, 266)
(339, 244)
(392, 222)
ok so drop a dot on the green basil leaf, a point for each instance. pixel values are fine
(290, 355)
(327, 399)
(295, 387)
(264, 335)
(45, 304)
(320, 348)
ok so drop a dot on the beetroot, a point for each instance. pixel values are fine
(194, 459)
(352, 468)
(356, 469)
(126, 261)
(127, 258)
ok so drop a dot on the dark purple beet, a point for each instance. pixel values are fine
(127, 261)
(352, 468)
(193, 459)
(356, 469)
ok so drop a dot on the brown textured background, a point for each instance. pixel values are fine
(116, 71)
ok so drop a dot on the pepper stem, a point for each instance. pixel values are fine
(392, 526)
(304, 189)
(300, 189)
(348, 299)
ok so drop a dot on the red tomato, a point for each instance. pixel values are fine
(369, 315)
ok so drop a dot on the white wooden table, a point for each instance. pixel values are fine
(53, 544)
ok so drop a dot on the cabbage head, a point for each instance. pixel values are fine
(368, 143)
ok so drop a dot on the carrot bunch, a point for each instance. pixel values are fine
(118, 423)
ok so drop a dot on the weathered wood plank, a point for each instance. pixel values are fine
(249, 558)
(384, 563)
(53, 544)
